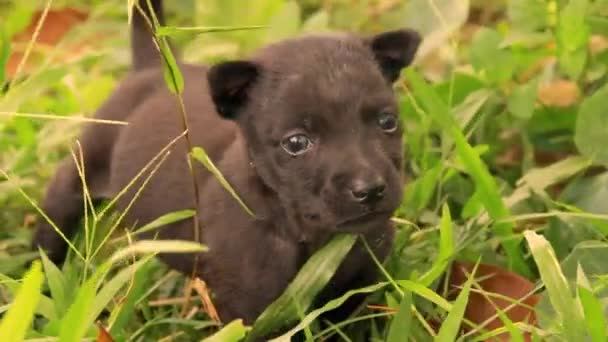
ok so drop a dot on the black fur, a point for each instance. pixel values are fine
(332, 88)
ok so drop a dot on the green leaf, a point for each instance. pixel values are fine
(56, 282)
(310, 280)
(425, 293)
(232, 332)
(202, 156)
(285, 23)
(487, 56)
(557, 287)
(572, 36)
(451, 325)
(593, 309)
(331, 305)
(591, 127)
(484, 182)
(5, 51)
(446, 249)
(522, 100)
(318, 22)
(16, 322)
(528, 15)
(401, 323)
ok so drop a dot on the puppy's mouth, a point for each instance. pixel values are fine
(363, 222)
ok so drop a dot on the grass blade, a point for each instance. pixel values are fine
(446, 249)
(309, 281)
(451, 325)
(401, 324)
(158, 246)
(202, 157)
(557, 287)
(486, 186)
(20, 315)
(56, 282)
(332, 304)
(232, 332)
(592, 307)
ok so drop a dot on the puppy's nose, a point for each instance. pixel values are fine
(368, 192)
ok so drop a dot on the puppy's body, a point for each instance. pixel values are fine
(325, 91)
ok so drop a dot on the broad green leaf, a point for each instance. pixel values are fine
(521, 102)
(557, 287)
(16, 322)
(593, 309)
(446, 249)
(331, 305)
(572, 36)
(486, 56)
(46, 306)
(200, 155)
(401, 324)
(591, 127)
(451, 325)
(56, 282)
(484, 182)
(232, 332)
(158, 246)
(318, 22)
(310, 280)
(528, 15)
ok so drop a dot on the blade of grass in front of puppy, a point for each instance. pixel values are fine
(446, 249)
(163, 220)
(17, 320)
(309, 281)
(202, 157)
(233, 331)
(331, 305)
(476, 168)
(158, 246)
(451, 325)
(401, 323)
(568, 310)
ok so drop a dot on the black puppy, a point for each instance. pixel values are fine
(306, 131)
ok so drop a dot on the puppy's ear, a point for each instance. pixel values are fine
(230, 83)
(394, 50)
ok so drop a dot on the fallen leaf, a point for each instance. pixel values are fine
(597, 44)
(558, 93)
(201, 288)
(56, 25)
(103, 335)
(495, 280)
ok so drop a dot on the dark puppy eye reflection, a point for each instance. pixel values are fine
(388, 122)
(296, 144)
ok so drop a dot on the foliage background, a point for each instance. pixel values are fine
(507, 138)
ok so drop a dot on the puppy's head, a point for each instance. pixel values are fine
(322, 124)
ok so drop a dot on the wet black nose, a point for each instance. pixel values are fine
(368, 192)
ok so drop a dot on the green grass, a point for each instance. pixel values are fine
(506, 132)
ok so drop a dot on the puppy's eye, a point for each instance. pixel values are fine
(388, 122)
(296, 144)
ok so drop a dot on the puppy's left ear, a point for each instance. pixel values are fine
(230, 84)
(394, 50)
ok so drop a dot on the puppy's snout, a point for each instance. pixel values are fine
(368, 191)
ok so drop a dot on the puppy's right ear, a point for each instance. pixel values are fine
(230, 84)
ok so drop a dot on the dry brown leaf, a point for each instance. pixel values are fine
(495, 280)
(597, 44)
(103, 335)
(558, 93)
(201, 288)
(56, 25)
